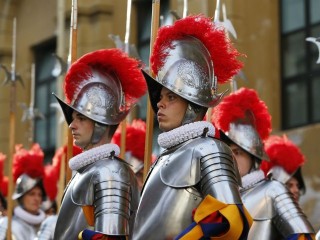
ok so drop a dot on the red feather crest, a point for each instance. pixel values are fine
(222, 52)
(2, 159)
(28, 162)
(62, 153)
(52, 172)
(243, 105)
(135, 138)
(50, 181)
(3, 179)
(282, 152)
(106, 61)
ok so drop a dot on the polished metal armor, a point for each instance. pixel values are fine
(101, 99)
(246, 137)
(177, 183)
(274, 212)
(20, 229)
(110, 186)
(135, 164)
(24, 184)
(47, 227)
(278, 173)
(189, 72)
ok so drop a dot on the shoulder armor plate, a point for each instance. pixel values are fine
(98, 173)
(187, 159)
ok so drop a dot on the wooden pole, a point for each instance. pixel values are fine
(12, 130)
(61, 183)
(149, 121)
(73, 58)
(61, 129)
(127, 50)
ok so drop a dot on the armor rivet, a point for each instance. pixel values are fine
(195, 198)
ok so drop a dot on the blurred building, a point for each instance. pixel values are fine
(279, 63)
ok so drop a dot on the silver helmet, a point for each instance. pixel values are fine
(190, 58)
(244, 119)
(101, 100)
(24, 184)
(286, 159)
(246, 137)
(188, 72)
(99, 86)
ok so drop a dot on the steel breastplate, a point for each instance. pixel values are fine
(177, 184)
(110, 186)
(274, 212)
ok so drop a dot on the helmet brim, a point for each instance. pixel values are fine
(225, 138)
(68, 110)
(154, 90)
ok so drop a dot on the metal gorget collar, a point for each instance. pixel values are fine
(186, 132)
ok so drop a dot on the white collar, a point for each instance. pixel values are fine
(184, 133)
(251, 179)
(93, 155)
(29, 217)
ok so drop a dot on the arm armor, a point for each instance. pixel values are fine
(289, 218)
(209, 166)
(110, 186)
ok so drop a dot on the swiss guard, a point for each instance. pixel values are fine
(245, 122)
(192, 190)
(102, 198)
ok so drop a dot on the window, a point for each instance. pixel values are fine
(45, 129)
(300, 75)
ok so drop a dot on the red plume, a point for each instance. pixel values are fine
(4, 186)
(135, 138)
(235, 108)
(29, 162)
(2, 159)
(62, 152)
(50, 181)
(282, 152)
(106, 61)
(222, 52)
(3, 179)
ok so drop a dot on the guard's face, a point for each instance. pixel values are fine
(82, 129)
(293, 186)
(243, 159)
(171, 111)
(32, 200)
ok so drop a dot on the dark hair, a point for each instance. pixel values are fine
(298, 175)
(39, 185)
